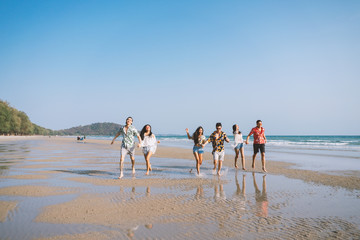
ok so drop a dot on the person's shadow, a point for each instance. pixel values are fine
(261, 198)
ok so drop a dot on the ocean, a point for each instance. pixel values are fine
(328, 153)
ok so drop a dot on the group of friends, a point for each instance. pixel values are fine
(148, 143)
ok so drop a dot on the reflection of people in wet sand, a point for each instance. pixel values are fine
(199, 192)
(131, 232)
(240, 192)
(147, 191)
(261, 198)
(219, 193)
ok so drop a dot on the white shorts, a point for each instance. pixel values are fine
(219, 155)
(151, 149)
(124, 151)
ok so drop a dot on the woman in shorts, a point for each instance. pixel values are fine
(239, 146)
(149, 145)
(198, 149)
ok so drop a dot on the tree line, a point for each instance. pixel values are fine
(15, 122)
(103, 129)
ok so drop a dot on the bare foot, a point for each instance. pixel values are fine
(218, 173)
(253, 165)
(244, 169)
(150, 168)
(264, 170)
(121, 175)
(236, 166)
(133, 170)
(147, 173)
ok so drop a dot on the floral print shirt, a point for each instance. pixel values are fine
(128, 137)
(259, 135)
(218, 144)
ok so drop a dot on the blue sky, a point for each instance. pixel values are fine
(175, 64)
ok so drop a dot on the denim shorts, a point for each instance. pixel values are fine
(240, 145)
(199, 150)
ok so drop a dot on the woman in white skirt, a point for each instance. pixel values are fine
(239, 146)
(149, 145)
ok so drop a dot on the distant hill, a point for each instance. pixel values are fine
(15, 122)
(105, 129)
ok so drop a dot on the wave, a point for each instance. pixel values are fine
(312, 142)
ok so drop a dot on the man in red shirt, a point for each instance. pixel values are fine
(259, 143)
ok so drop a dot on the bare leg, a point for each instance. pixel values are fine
(196, 155)
(200, 158)
(148, 165)
(242, 158)
(215, 163)
(263, 161)
(200, 161)
(253, 160)
(133, 163)
(147, 161)
(236, 157)
(121, 165)
(220, 164)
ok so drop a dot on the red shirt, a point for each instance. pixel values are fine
(259, 135)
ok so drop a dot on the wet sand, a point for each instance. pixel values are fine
(57, 188)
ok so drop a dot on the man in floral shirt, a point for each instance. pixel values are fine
(217, 139)
(128, 132)
(259, 143)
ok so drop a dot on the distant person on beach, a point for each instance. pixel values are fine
(81, 138)
(198, 149)
(128, 132)
(149, 145)
(217, 139)
(239, 146)
(259, 143)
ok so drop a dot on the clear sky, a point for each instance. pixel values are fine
(175, 64)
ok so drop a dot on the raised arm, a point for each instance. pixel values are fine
(187, 132)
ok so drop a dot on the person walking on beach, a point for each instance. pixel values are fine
(239, 146)
(259, 143)
(149, 145)
(198, 149)
(217, 139)
(128, 132)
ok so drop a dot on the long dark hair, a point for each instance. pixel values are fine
(143, 131)
(196, 134)
(234, 129)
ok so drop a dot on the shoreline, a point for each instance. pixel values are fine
(346, 179)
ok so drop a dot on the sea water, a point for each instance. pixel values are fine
(319, 153)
